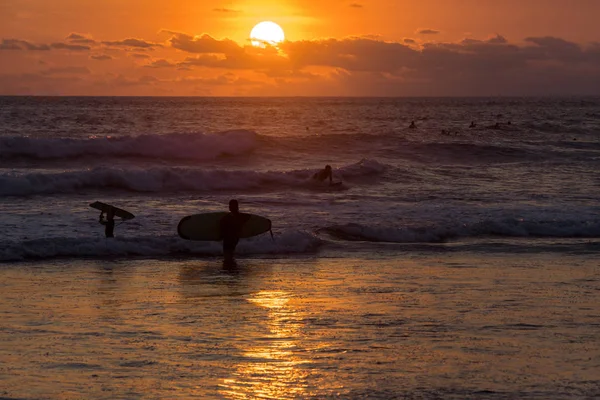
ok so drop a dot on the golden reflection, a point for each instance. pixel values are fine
(270, 369)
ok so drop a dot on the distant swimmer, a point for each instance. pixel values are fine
(109, 224)
(231, 228)
(473, 125)
(323, 174)
(412, 125)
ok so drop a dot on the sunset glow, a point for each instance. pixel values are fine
(287, 48)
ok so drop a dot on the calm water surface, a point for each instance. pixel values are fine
(447, 325)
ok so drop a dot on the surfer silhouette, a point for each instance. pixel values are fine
(109, 224)
(412, 125)
(323, 174)
(231, 227)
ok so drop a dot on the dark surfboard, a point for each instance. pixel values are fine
(119, 212)
(207, 226)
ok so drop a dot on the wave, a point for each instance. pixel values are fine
(190, 146)
(289, 242)
(490, 228)
(173, 179)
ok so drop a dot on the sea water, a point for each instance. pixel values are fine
(453, 262)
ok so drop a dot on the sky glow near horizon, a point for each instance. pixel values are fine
(337, 48)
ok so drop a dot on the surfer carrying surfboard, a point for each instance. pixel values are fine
(231, 227)
(109, 224)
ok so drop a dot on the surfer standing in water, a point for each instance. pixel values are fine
(231, 228)
(109, 224)
(323, 174)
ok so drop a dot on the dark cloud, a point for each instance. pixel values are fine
(409, 41)
(356, 5)
(428, 32)
(79, 39)
(139, 55)
(71, 47)
(101, 57)
(130, 42)
(204, 44)
(352, 54)
(551, 47)
(162, 63)
(18, 44)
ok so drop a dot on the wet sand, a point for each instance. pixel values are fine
(448, 325)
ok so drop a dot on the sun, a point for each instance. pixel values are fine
(266, 33)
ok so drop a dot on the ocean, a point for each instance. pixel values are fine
(454, 261)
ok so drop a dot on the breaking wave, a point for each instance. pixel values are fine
(289, 242)
(488, 228)
(171, 179)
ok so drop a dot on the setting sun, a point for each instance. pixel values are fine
(266, 33)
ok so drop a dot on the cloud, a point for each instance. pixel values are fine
(428, 32)
(346, 66)
(356, 5)
(162, 63)
(139, 55)
(204, 44)
(71, 47)
(101, 57)
(79, 39)
(18, 44)
(136, 43)
(351, 54)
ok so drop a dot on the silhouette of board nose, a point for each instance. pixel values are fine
(119, 212)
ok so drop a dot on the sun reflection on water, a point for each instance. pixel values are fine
(270, 369)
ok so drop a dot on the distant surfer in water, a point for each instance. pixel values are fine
(323, 174)
(109, 224)
(231, 228)
(412, 125)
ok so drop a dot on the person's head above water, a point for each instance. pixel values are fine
(328, 168)
(234, 206)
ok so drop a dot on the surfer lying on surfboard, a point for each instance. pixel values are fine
(324, 174)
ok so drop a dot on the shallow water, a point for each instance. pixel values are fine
(439, 324)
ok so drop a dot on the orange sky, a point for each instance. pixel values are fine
(377, 47)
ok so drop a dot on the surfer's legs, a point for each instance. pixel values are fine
(229, 245)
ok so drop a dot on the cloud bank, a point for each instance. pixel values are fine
(362, 66)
